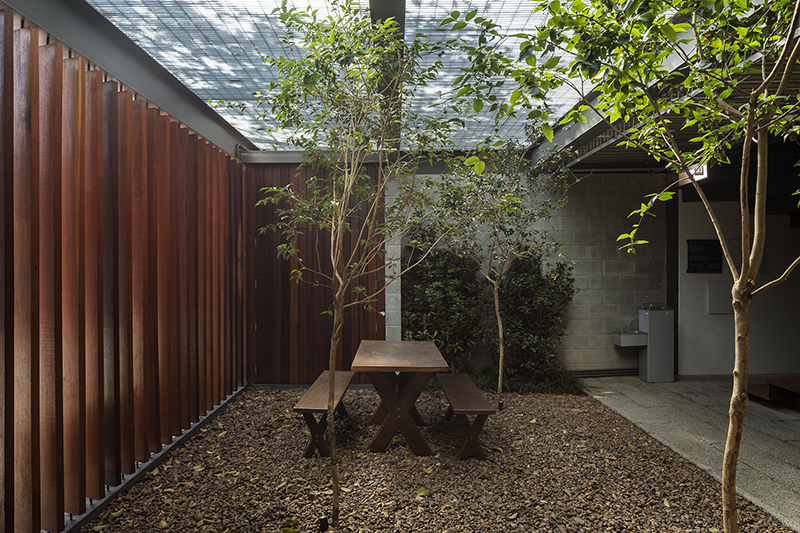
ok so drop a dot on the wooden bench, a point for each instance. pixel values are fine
(315, 401)
(466, 399)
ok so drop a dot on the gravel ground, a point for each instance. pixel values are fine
(555, 463)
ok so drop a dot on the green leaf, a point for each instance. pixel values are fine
(669, 32)
(479, 167)
(458, 25)
(471, 14)
(477, 105)
(552, 62)
(547, 130)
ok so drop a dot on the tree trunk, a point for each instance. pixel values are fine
(739, 399)
(336, 336)
(496, 291)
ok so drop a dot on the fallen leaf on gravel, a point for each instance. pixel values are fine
(623, 493)
(429, 470)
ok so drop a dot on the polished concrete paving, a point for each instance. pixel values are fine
(691, 417)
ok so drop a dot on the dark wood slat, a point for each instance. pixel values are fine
(6, 268)
(145, 428)
(72, 288)
(294, 294)
(202, 324)
(250, 233)
(245, 290)
(160, 162)
(151, 324)
(111, 284)
(191, 275)
(175, 383)
(179, 141)
(93, 275)
(126, 395)
(208, 222)
(26, 502)
(51, 61)
(215, 273)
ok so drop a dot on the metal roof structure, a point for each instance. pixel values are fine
(213, 47)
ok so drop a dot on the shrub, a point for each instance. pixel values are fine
(443, 301)
(533, 297)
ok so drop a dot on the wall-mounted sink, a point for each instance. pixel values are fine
(630, 338)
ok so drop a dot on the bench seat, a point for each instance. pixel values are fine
(466, 399)
(315, 401)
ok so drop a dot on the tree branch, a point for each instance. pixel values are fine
(779, 280)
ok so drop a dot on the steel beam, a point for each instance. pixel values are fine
(79, 26)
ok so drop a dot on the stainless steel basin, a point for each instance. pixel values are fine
(630, 338)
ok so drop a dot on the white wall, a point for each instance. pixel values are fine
(705, 341)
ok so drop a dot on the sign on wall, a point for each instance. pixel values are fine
(704, 256)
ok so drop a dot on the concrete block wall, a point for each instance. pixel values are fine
(612, 284)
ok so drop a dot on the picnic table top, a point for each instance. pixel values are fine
(398, 356)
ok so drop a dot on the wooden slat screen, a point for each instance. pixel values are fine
(124, 280)
(292, 335)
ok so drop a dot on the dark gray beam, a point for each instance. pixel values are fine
(384, 9)
(79, 26)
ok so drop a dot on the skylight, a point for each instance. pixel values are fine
(212, 47)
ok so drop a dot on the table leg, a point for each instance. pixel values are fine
(399, 407)
(398, 382)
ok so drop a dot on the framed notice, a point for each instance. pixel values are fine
(705, 256)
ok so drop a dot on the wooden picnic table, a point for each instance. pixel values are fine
(399, 371)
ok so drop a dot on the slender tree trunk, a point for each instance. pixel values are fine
(336, 337)
(739, 399)
(496, 291)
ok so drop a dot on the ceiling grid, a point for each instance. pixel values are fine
(213, 47)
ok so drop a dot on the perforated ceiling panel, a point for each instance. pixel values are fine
(212, 46)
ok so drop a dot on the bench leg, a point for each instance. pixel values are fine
(317, 430)
(340, 409)
(472, 448)
(448, 414)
